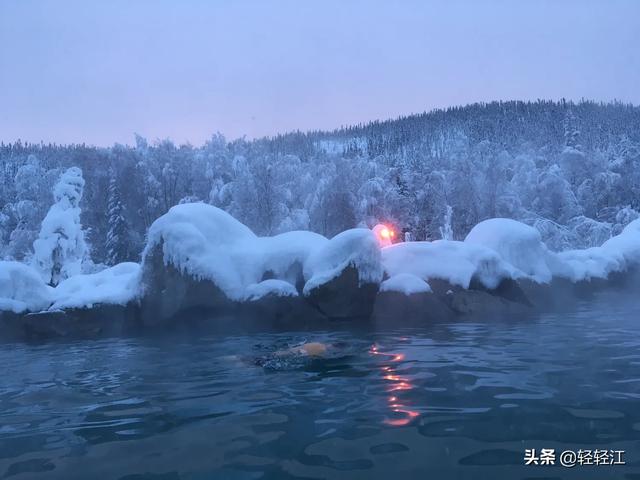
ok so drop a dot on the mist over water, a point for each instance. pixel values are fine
(467, 398)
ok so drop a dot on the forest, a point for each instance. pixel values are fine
(571, 170)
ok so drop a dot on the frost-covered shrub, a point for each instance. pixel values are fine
(588, 232)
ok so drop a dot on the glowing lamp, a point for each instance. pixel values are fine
(384, 234)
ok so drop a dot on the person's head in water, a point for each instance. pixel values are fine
(311, 349)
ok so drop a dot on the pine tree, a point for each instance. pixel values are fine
(116, 245)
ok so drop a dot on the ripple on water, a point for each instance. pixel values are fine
(464, 396)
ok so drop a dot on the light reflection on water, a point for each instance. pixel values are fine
(403, 414)
(445, 401)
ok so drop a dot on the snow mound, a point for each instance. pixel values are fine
(285, 255)
(208, 243)
(201, 240)
(405, 283)
(456, 262)
(617, 254)
(518, 244)
(279, 288)
(357, 247)
(116, 285)
(22, 289)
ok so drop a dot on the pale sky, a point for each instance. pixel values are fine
(98, 71)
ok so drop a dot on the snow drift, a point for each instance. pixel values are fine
(117, 285)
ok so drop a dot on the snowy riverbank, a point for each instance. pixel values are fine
(201, 262)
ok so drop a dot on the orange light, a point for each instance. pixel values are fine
(385, 233)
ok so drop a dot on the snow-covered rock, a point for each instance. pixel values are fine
(405, 283)
(207, 243)
(516, 243)
(455, 262)
(22, 289)
(117, 285)
(357, 248)
(200, 248)
(344, 275)
(200, 240)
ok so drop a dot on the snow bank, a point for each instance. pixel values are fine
(357, 248)
(617, 254)
(456, 262)
(518, 244)
(521, 247)
(116, 285)
(405, 283)
(22, 289)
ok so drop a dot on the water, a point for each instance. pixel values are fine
(445, 401)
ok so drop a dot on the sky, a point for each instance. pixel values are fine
(100, 71)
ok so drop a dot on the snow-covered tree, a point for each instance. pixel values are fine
(446, 232)
(30, 183)
(60, 247)
(559, 166)
(117, 246)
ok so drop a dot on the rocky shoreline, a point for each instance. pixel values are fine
(203, 271)
(446, 303)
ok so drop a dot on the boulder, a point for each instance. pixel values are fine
(344, 296)
(96, 322)
(168, 292)
(343, 276)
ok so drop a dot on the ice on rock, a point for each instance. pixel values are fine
(405, 283)
(518, 244)
(22, 289)
(279, 288)
(456, 262)
(117, 285)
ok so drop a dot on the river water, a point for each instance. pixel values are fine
(460, 400)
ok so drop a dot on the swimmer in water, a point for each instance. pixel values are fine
(298, 355)
(311, 349)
